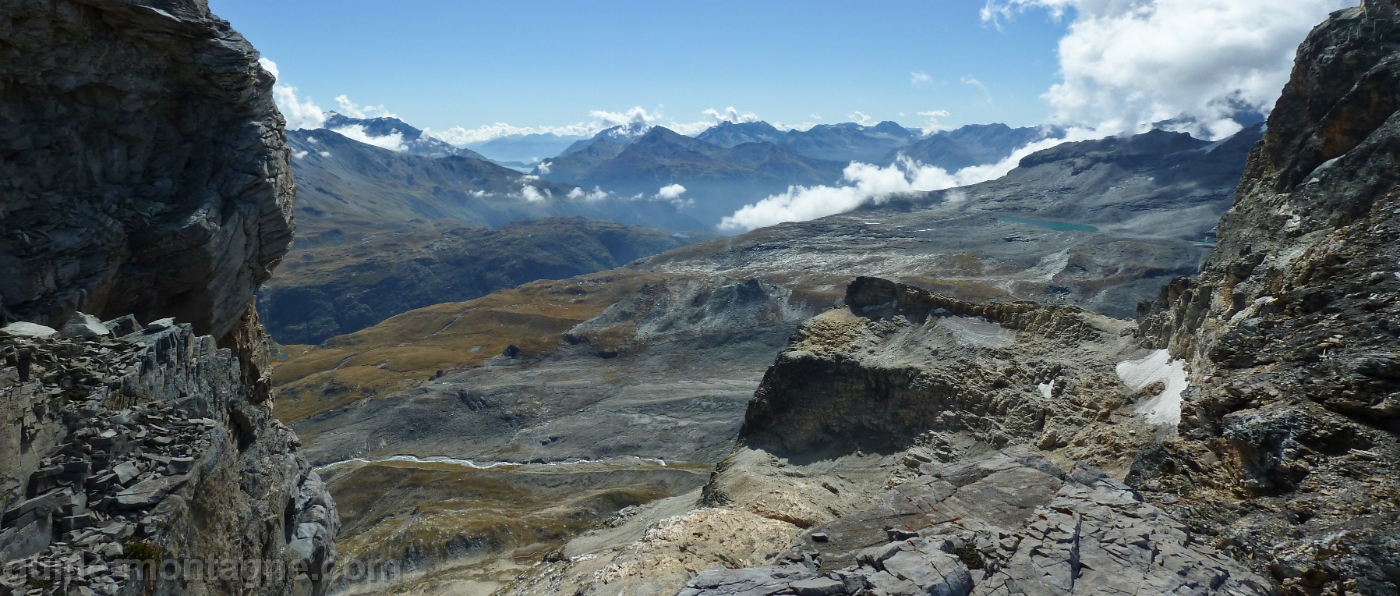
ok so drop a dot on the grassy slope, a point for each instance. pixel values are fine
(407, 349)
(324, 291)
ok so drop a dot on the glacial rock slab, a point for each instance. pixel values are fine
(145, 166)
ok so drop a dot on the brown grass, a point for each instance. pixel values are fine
(408, 349)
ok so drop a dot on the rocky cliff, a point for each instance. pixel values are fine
(1293, 328)
(145, 173)
(146, 169)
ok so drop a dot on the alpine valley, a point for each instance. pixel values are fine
(544, 364)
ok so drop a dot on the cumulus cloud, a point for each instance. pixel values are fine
(533, 195)
(860, 118)
(544, 167)
(919, 78)
(588, 196)
(392, 141)
(874, 184)
(354, 110)
(1126, 64)
(299, 114)
(671, 193)
(933, 125)
(298, 154)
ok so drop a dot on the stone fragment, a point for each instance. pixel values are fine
(126, 472)
(123, 325)
(149, 492)
(23, 329)
(754, 581)
(819, 586)
(181, 465)
(85, 326)
(159, 325)
(935, 573)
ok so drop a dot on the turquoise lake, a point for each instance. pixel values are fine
(1058, 226)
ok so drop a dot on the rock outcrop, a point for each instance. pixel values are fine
(900, 361)
(145, 178)
(1293, 328)
(145, 166)
(139, 463)
(1005, 523)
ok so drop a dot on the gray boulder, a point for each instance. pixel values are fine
(85, 326)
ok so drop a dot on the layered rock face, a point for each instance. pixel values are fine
(145, 171)
(145, 167)
(142, 452)
(1293, 328)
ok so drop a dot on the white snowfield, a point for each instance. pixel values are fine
(1164, 409)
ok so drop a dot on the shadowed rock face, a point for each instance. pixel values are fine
(145, 168)
(144, 171)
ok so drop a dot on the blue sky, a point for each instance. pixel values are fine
(441, 64)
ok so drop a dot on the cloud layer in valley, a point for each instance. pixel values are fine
(874, 184)
(1127, 64)
(392, 141)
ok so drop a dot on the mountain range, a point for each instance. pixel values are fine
(524, 148)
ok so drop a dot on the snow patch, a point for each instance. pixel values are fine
(1165, 408)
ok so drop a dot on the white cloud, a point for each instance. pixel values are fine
(933, 115)
(298, 154)
(860, 118)
(637, 120)
(731, 115)
(392, 141)
(803, 126)
(299, 114)
(354, 110)
(544, 167)
(270, 66)
(1129, 63)
(919, 78)
(597, 194)
(533, 195)
(671, 193)
(987, 94)
(874, 184)
(325, 154)
(459, 136)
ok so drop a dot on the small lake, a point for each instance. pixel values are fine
(1058, 226)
